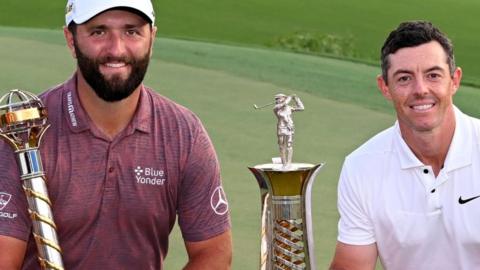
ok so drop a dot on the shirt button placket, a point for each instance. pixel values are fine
(429, 181)
(110, 170)
(433, 193)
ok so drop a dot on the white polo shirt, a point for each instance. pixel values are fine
(418, 221)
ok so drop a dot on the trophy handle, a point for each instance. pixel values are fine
(23, 124)
(266, 219)
(40, 208)
(308, 211)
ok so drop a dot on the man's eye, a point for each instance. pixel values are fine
(132, 32)
(434, 76)
(97, 32)
(403, 79)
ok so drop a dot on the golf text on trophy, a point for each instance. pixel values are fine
(23, 122)
(285, 189)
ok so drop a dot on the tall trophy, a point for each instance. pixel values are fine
(285, 189)
(23, 122)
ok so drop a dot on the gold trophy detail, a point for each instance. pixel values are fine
(285, 189)
(23, 122)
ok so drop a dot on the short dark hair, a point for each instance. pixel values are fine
(411, 34)
(72, 27)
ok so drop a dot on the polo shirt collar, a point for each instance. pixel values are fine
(75, 115)
(407, 157)
(460, 151)
(79, 121)
(143, 117)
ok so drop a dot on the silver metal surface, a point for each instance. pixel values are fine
(262, 106)
(23, 122)
(285, 128)
(287, 233)
(287, 207)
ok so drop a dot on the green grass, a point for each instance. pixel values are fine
(258, 23)
(323, 77)
(220, 83)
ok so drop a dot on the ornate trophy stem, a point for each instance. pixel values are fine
(287, 234)
(22, 125)
(285, 188)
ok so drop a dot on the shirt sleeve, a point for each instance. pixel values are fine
(354, 226)
(14, 219)
(203, 210)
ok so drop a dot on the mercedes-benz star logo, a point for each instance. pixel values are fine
(218, 201)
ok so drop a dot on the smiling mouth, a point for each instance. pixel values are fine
(423, 107)
(115, 65)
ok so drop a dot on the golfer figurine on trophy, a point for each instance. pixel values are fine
(285, 188)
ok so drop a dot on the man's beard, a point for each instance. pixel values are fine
(115, 88)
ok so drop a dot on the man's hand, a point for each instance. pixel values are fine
(12, 252)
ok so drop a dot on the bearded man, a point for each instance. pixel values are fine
(122, 161)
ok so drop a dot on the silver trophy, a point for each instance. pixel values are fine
(285, 189)
(23, 122)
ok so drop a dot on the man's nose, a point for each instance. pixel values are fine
(420, 86)
(116, 44)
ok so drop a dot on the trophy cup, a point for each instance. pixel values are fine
(23, 122)
(285, 189)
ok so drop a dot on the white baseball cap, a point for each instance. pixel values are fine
(80, 11)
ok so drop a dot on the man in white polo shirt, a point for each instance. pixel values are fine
(411, 194)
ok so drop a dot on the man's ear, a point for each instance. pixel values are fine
(457, 77)
(383, 87)
(70, 41)
(154, 35)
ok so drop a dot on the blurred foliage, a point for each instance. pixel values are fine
(317, 43)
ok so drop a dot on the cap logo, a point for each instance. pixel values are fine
(69, 8)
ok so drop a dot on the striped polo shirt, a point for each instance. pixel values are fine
(115, 201)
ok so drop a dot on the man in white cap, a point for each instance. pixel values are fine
(121, 161)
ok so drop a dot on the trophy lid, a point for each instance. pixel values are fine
(281, 167)
(21, 111)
